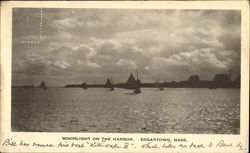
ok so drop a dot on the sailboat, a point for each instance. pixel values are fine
(157, 85)
(42, 85)
(84, 85)
(109, 84)
(137, 85)
(112, 86)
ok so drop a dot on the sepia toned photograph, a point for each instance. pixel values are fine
(88, 70)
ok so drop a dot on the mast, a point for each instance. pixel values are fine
(137, 84)
(137, 74)
(42, 85)
(112, 86)
(156, 84)
(111, 80)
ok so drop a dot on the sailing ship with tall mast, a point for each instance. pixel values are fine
(109, 84)
(112, 86)
(157, 85)
(42, 85)
(84, 85)
(137, 89)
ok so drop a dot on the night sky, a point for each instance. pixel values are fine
(78, 45)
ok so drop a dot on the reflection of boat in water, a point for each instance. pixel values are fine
(157, 85)
(42, 85)
(137, 89)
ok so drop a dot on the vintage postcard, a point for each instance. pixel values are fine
(124, 76)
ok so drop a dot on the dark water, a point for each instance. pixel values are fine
(190, 111)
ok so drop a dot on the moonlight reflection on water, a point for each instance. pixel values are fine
(191, 111)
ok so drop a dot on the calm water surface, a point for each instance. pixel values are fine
(152, 111)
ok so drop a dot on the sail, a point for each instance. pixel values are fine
(137, 84)
(131, 82)
(137, 88)
(108, 84)
(42, 85)
(157, 85)
(84, 85)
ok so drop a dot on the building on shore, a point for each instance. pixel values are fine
(221, 78)
(194, 78)
(223, 81)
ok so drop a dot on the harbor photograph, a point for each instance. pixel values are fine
(88, 70)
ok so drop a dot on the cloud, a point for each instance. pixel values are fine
(92, 43)
(62, 64)
(105, 46)
(31, 64)
(193, 60)
(127, 62)
(93, 65)
(77, 23)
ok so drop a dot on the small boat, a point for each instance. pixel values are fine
(42, 85)
(112, 86)
(137, 89)
(109, 84)
(157, 85)
(84, 85)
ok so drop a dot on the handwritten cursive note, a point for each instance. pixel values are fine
(108, 143)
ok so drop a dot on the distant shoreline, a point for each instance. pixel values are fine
(219, 81)
(181, 84)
